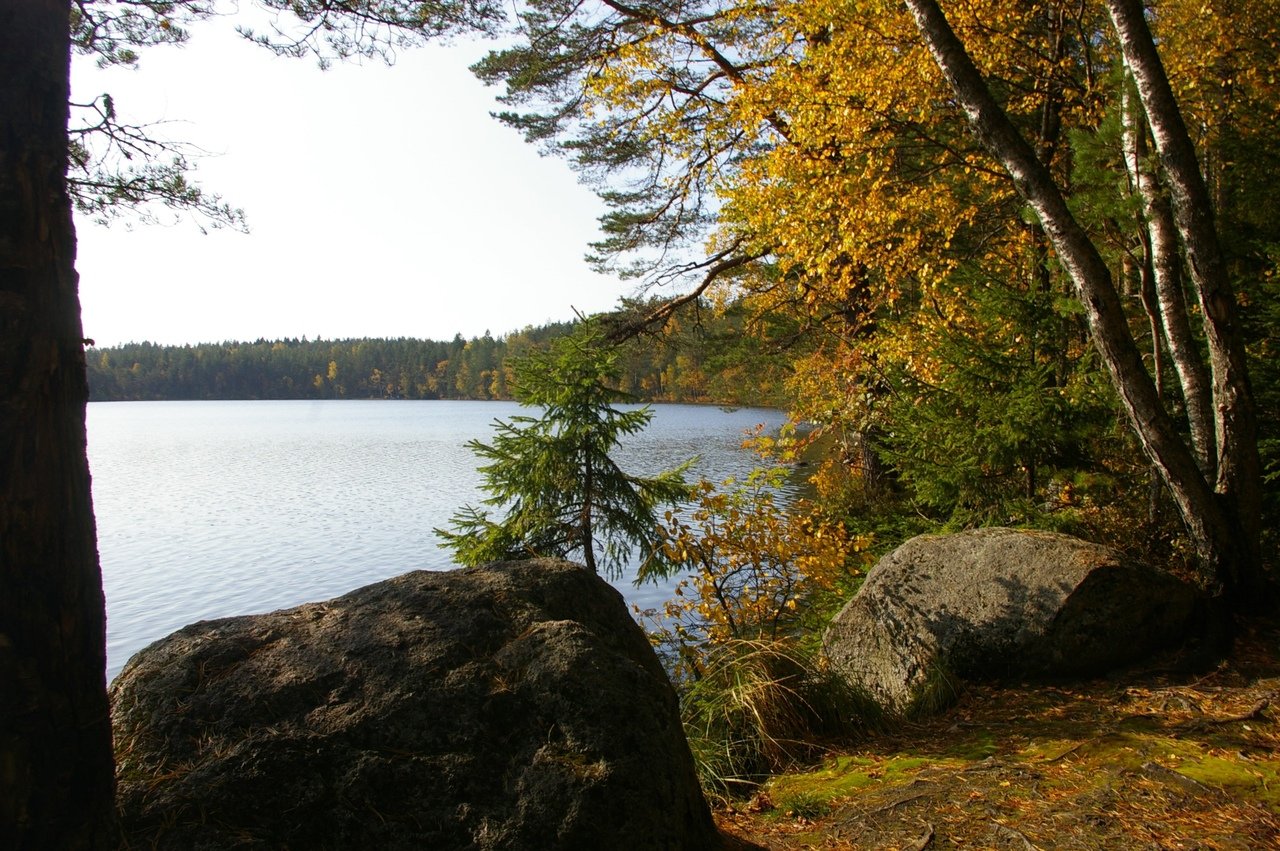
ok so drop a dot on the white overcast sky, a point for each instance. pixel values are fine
(382, 202)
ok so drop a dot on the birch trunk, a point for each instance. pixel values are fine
(1166, 268)
(1239, 477)
(1215, 536)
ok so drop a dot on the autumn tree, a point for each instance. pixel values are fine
(756, 564)
(814, 151)
(554, 477)
(763, 572)
(1220, 505)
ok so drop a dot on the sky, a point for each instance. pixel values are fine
(381, 202)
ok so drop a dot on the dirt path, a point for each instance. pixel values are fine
(1143, 761)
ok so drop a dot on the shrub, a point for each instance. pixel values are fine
(760, 707)
(754, 701)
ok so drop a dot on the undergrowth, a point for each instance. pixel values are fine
(761, 707)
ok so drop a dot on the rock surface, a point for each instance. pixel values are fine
(515, 705)
(996, 603)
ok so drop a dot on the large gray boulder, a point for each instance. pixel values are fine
(514, 705)
(997, 603)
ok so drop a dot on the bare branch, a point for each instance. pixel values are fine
(716, 266)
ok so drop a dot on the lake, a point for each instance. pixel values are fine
(211, 509)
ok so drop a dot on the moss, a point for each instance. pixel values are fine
(905, 765)
(1253, 778)
(1138, 724)
(844, 776)
(805, 805)
(1257, 780)
(974, 749)
(1118, 764)
(1047, 749)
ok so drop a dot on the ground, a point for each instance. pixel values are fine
(1147, 759)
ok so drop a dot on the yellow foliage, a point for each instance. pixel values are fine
(756, 567)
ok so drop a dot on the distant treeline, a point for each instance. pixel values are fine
(712, 361)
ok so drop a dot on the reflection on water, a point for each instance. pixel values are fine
(211, 509)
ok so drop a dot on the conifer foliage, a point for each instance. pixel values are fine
(553, 474)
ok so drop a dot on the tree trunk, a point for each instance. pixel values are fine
(1215, 535)
(585, 512)
(1239, 471)
(1166, 270)
(1151, 306)
(56, 772)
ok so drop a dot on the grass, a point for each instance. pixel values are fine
(758, 708)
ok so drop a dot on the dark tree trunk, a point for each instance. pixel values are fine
(585, 517)
(1227, 546)
(56, 772)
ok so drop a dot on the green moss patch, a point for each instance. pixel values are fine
(845, 776)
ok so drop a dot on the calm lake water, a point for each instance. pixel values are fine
(210, 509)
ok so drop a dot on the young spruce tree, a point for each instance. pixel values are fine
(562, 492)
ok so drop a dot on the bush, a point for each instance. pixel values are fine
(763, 578)
(760, 707)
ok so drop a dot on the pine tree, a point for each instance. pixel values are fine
(562, 492)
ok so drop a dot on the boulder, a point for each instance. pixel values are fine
(514, 705)
(999, 603)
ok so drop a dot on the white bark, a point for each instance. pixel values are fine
(1215, 536)
(1239, 477)
(1166, 267)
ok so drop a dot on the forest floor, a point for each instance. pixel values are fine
(1140, 760)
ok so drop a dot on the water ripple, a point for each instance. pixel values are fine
(211, 509)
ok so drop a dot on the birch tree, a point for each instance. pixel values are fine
(848, 189)
(1222, 516)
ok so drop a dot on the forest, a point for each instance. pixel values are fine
(703, 358)
(1011, 264)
